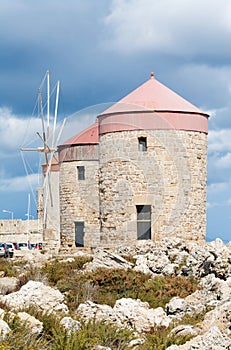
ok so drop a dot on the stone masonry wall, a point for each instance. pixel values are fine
(170, 176)
(79, 201)
(21, 231)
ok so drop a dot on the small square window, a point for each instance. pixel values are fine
(142, 144)
(81, 172)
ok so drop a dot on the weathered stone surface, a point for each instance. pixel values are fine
(207, 259)
(211, 340)
(158, 258)
(31, 322)
(155, 261)
(4, 329)
(105, 259)
(139, 316)
(8, 284)
(185, 330)
(220, 317)
(36, 294)
(177, 306)
(170, 176)
(128, 312)
(89, 311)
(2, 313)
(70, 324)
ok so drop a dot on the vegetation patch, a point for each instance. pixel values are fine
(105, 286)
(55, 337)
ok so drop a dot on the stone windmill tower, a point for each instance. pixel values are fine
(153, 156)
(138, 173)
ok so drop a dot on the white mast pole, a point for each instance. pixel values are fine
(56, 111)
(48, 104)
(28, 207)
(28, 217)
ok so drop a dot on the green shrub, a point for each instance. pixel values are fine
(105, 286)
(90, 335)
(20, 337)
(159, 339)
(58, 270)
(30, 273)
(8, 267)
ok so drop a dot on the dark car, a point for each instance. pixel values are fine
(38, 246)
(4, 252)
(15, 245)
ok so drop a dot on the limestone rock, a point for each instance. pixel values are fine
(2, 313)
(220, 317)
(139, 316)
(211, 340)
(8, 284)
(177, 306)
(70, 324)
(185, 330)
(35, 325)
(128, 312)
(37, 294)
(105, 259)
(89, 311)
(4, 329)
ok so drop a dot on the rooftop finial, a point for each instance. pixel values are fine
(152, 75)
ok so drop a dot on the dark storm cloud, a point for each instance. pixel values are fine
(101, 50)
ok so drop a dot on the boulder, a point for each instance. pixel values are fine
(8, 284)
(4, 329)
(90, 311)
(37, 294)
(70, 324)
(31, 322)
(211, 340)
(103, 258)
(138, 315)
(127, 312)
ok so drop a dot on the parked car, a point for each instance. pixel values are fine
(39, 246)
(23, 246)
(10, 248)
(15, 245)
(32, 246)
(4, 250)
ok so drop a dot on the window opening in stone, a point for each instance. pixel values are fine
(142, 144)
(79, 233)
(143, 221)
(81, 172)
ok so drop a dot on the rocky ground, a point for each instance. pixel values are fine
(210, 262)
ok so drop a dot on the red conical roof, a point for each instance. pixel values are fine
(153, 106)
(89, 135)
(152, 95)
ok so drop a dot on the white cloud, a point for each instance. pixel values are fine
(19, 183)
(224, 162)
(215, 188)
(212, 205)
(219, 140)
(16, 130)
(169, 27)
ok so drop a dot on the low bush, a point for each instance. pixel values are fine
(55, 337)
(60, 270)
(105, 286)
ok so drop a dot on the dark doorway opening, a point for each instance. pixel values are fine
(79, 233)
(143, 221)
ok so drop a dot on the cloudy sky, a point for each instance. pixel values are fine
(101, 50)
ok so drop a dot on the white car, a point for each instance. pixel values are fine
(10, 248)
(3, 250)
(23, 246)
